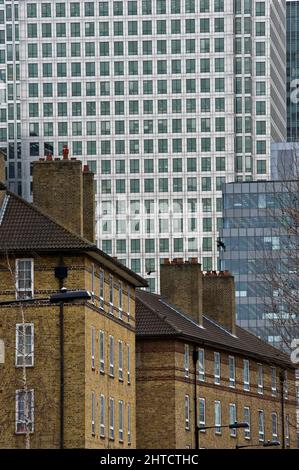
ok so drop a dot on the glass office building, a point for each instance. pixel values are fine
(258, 242)
(292, 31)
(164, 99)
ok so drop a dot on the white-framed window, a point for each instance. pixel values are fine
(111, 418)
(102, 415)
(246, 374)
(202, 412)
(232, 371)
(24, 344)
(247, 431)
(120, 300)
(186, 360)
(93, 413)
(287, 430)
(286, 386)
(217, 367)
(102, 350)
(24, 411)
(260, 378)
(274, 425)
(129, 302)
(120, 420)
(128, 363)
(92, 331)
(102, 288)
(217, 413)
(273, 381)
(129, 424)
(24, 278)
(111, 294)
(120, 360)
(187, 412)
(111, 355)
(232, 418)
(261, 425)
(201, 364)
(92, 281)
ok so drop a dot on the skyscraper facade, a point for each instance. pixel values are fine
(260, 241)
(292, 31)
(164, 99)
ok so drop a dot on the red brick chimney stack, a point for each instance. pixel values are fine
(195, 293)
(181, 285)
(63, 191)
(219, 299)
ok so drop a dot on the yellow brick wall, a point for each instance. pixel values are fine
(155, 399)
(80, 379)
(171, 379)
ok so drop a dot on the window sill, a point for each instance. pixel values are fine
(23, 433)
(18, 366)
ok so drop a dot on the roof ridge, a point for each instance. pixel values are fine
(220, 326)
(160, 315)
(175, 308)
(50, 218)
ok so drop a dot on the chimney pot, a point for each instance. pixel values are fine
(41, 159)
(86, 169)
(180, 261)
(56, 159)
(194, 260)
(166, 261)
(65, 152)
(73, 158)
(49, 157)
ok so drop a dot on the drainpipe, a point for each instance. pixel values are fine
(61, 273)
(282, 377)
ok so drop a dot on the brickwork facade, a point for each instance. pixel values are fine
(163, 383)
(83, 323)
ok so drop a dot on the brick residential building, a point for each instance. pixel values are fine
(42, 249)
(239, 378)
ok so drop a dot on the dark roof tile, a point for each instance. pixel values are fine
(155, 317)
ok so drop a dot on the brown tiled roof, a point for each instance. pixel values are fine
(155, 317)
(25, 228)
